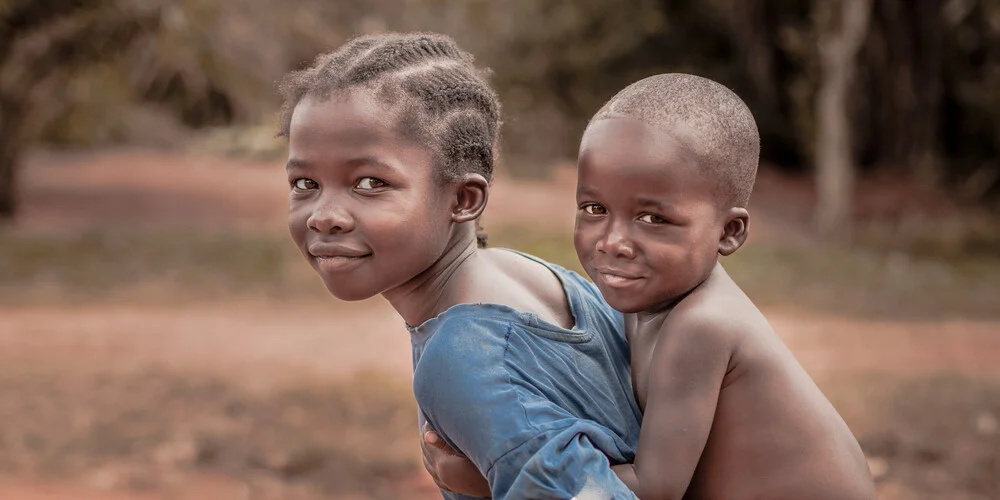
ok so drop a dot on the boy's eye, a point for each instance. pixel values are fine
(370, 183)
(594, 209)
(652, 219)
(303, 184)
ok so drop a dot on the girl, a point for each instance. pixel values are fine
(519, 364)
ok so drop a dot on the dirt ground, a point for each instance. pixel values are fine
(921, 395)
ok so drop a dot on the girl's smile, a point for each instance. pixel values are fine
(365, 207)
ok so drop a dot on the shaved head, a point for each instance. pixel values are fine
(708, 118)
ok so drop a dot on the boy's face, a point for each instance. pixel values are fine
(648, 224)
(364, 206)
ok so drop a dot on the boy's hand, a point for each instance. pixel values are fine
(451, 471)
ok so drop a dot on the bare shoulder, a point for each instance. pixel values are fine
(717, 311)
(527, 285)
(527, 272)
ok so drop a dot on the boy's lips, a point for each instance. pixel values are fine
(616, 278)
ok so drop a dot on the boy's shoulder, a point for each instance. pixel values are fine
(717, 309)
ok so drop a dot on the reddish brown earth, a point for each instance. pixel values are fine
(256, 342)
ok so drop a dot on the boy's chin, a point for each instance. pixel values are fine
(624, 305)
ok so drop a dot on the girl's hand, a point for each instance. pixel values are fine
(451, 471)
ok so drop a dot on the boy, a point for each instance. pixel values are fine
(666, 168)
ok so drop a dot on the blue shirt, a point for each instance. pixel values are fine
(539, 409)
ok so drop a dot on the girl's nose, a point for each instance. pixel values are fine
(330, 218)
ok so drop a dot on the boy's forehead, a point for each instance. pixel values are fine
(627, 143)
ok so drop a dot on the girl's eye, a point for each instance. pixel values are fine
(303, 184)
(652, 219)
(370, 183)
(594, 209)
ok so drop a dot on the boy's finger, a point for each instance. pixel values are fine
(433, 439)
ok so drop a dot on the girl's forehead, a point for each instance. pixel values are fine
(354, 121)
(344, 129)
(355, 108)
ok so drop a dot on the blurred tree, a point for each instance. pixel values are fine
(69, 68)
(41, 41)
(903, 61)
(841, 27)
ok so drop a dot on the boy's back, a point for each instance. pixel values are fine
(774, 434)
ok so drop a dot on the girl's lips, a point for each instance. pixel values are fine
(338, 263)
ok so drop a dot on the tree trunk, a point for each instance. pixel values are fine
(905, 59)
(8, 200)
(841, 29)
(10, 156)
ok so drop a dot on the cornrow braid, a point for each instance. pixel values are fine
(445, 101)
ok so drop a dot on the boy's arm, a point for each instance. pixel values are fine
(451, 470)
(685, 378)
(626, 472)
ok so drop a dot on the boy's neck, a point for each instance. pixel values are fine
(656, 315)
(431, 292)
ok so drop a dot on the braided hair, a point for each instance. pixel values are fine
(446, 102)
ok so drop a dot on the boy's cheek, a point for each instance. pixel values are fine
(583, 242)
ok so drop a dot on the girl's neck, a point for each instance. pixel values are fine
(433, 291)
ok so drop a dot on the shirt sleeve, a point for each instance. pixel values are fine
(527, 446)
(563, 463)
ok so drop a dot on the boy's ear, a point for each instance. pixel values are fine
(735, 232)
(471, 195)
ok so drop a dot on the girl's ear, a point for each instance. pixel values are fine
(472, 191)
(735, 232)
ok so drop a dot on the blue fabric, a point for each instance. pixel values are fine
(541, 410)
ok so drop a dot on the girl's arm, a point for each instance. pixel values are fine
(685, 379)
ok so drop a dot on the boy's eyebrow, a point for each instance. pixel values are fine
(586, 191)
(653, 202)
(295, 163)
(642, 200)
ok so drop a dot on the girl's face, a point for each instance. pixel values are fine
(364, 206)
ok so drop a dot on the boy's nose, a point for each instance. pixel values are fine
(616, 244)
(331, 219)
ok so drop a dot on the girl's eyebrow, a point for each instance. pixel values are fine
(370, 161)
(295, 163)
(355, 162)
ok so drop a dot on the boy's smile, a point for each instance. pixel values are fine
(648, 224)
(365, 207)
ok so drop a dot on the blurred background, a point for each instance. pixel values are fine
(161, 338)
